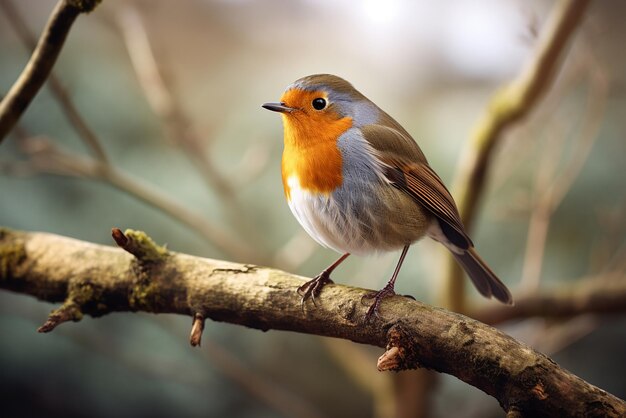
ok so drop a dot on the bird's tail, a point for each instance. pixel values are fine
(483, 278)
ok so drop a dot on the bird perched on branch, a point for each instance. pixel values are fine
(359, 184)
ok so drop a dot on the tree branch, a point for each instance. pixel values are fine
(165, 103)
(507, 106)
(41, 62)
(599, 295)
(97, 280)
(46, 157)
(514, 102)
(68, 106)
(178, 125)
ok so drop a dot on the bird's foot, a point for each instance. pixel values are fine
(378, 297)
(313, 288)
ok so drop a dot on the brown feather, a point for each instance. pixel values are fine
(391, 142)
(409, 171)
(483, 277)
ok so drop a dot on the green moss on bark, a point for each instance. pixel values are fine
(146, 297)
(144, 248)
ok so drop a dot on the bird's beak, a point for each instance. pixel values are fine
(277, 107)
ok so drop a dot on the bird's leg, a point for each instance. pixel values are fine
(312, 288)
(386, 291)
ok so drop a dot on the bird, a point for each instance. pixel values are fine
(358, 183)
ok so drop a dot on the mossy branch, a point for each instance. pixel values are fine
(96, 280)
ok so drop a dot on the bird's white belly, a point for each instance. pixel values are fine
(312, 211)
(359, 225)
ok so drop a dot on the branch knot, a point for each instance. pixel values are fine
(399, 354)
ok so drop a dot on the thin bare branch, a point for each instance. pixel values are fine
(197, 327)
(508, 106)
(47, 158)
(69, 311)
(603, 295)
(163, 102)
(178, 125)
(41, 62)
(514, 102)
(60, 93)
(552, 189)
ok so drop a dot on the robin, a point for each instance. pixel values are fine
(358, 183)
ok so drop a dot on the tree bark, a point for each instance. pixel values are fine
(97, 280)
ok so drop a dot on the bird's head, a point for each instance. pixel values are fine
(322, 105)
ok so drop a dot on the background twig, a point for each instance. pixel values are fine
(509, 105)
(41, 62)
(67, 104)
(46, 157)
(604, 294)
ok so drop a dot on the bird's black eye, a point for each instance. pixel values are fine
(319, 103)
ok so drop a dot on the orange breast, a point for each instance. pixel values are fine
(311, 153)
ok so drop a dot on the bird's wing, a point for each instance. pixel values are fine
(409, 171)
(387, 140)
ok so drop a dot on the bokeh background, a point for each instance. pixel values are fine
(432, 65)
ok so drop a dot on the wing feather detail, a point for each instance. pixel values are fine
(415, 177)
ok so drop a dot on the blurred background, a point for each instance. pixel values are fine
(172, 92)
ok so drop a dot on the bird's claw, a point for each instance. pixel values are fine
(313, 288)
(378, 297)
